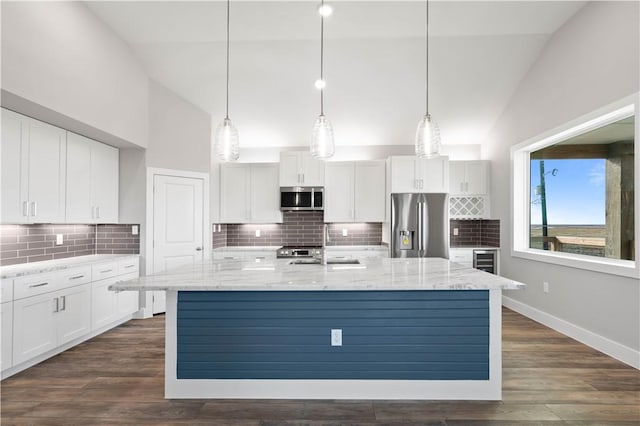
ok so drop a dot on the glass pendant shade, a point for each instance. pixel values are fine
(427, 138)
(322, 144)
(226, 145)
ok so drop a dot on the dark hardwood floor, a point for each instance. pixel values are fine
(117, 378)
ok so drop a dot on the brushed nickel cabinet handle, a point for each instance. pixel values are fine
(38, 285)
(77, 277)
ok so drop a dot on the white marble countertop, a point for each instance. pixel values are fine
(274, 248)
(279, 275)
(12, 271)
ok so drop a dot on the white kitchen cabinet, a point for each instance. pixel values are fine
(73, 318)
(469, 177)
(92, 181)
(33, 170)
(104, 303)
(410, 174)
(355, 191)
(300, 168)
(249, 193)
(6, 336)
(463, 256)
(34, 326)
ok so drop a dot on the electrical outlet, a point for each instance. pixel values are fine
(345, 232)
(545, 287)
(336, 337)
(257, 232)
(134, 229)
(455, 232)
(59, 239)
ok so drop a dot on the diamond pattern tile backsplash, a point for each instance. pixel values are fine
(34, 243)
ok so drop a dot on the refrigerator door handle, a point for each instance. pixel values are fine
(420, 230)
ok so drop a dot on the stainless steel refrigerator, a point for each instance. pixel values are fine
(420, 225)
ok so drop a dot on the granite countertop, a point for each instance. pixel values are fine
(279, 275)
(13, 271)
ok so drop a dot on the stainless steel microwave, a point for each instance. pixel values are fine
(301, 198)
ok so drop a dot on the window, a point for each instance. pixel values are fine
(574, 194)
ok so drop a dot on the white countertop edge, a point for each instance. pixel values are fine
(22, 269)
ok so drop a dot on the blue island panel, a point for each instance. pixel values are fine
(399, 335)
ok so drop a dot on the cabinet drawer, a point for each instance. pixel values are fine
(104, 270)
(75, 276)
(6, 290)
(128, 266)
(33, 285)
(127, 277)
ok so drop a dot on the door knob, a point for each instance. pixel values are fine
(198, 248)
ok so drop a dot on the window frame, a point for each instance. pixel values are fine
(521, 189)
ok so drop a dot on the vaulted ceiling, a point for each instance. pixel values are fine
(374, 62)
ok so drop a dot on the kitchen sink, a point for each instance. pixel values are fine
(329, 262)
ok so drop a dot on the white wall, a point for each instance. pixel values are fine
(179, 133)
(58, 57)
(590, 62)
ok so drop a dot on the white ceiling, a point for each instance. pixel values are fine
(374, 63)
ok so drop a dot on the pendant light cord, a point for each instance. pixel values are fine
(427, 59)
(227, 105)
(322, 58)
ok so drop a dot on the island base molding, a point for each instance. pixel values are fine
(374, 389)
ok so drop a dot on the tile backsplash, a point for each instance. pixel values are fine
(297, 228)
(34, 243)
(474, 233)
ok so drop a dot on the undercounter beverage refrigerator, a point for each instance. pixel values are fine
(420, 225)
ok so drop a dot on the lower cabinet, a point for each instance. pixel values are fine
(48, 320)
(6, 336)
(46, 311)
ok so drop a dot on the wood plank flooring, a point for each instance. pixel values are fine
(117, 378)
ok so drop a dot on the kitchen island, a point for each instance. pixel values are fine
(383, 329)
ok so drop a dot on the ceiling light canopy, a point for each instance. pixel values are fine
(226, 143)
(428, 134)
(322, 143)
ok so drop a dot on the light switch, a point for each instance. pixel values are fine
(345, 232)
(59, 239)
(134, 229)
(455, 232)
(257, 232)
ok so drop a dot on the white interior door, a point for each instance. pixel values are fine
(178, 227)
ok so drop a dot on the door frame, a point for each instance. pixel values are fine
(152, 172)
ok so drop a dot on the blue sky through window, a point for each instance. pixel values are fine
(575, 195)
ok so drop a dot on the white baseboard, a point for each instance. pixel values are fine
(609, 347)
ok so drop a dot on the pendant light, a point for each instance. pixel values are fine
(428, 133)
(322, 144)
(226, 144)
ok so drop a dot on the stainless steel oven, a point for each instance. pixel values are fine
(301, 198)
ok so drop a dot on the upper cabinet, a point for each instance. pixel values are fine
(299, 168)
(249, 193)
(469, 177)
(92, 181)
(410, 174)
(50, 175)
(354, 191)
(33, 170)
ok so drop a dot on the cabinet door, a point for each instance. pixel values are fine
(103, 303)
(6, 335)
(403, 174)
(369, 191)
(74, 316)
(47, 171)
(79, 207)
(338, 192)
(265, 194)
(34, 326)
(312, 170)
(290, 169)
(234, 193)
(14, 167)
(433, 174)
(477, 172)
(104, 182)
(457, 177)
